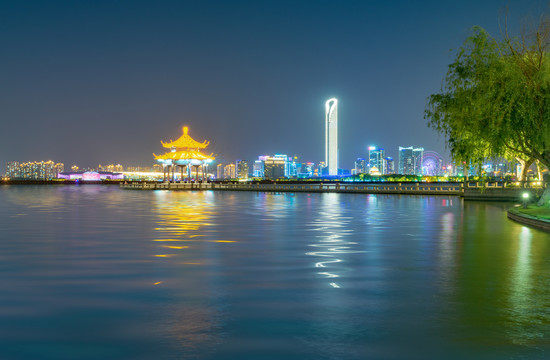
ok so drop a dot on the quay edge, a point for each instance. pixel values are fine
(528, 220)
(469, 191)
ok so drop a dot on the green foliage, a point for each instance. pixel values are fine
(400, 178)
(539, 212)
(495, 98)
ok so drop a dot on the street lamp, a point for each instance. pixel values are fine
(525, 199)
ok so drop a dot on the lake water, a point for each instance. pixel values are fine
(94, 272)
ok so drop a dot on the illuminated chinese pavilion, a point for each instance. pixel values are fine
(184, 153)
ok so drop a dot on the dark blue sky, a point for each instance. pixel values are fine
(89, 82)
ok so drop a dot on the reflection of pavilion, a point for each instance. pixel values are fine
(185, 153)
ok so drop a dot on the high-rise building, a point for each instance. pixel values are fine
(35, 170)
(12, 170)
(258, 169)
(242, 169)
(331, 136)
(377, 159)
(275, 167)
(406, 162)
(322, 169)
(293, 167)
(288, 164)
(360, 166)
(418, 160)
(411, 160)
(390, 166)
(305, 170)
(219, 171)
(59, 168)
(229, 171)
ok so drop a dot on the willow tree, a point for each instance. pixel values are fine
(495, 98)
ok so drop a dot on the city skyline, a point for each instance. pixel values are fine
(102, 82)
(112, 166)
(274, 167)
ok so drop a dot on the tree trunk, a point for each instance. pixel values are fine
(522, 164)
(539, 170)
(525, 165)
(545, 198)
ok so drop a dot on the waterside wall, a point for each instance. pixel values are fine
(529, 220)
(470, 191)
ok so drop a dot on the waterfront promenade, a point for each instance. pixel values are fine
(529, 220)
(469, 190)
(369, 188)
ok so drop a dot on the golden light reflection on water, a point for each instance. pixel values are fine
(168, 240)
(180, 216)
(183, 219)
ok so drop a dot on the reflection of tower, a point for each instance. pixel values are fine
(334, 246)
(331, 136)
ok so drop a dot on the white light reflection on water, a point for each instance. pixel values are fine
(334, 224)
(446, 251)
(521, 294)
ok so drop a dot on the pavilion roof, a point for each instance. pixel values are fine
(185, 142)
(184, 155)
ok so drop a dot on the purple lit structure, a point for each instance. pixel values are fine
(90, 175)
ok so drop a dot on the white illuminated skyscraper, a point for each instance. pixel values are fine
(331, 136)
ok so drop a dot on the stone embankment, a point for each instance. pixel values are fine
(525, 219)
(470, 190)
(366, 188)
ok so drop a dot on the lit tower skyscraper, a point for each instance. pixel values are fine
(377, 159)
(331, 136)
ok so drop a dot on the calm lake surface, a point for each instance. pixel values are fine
(94, 272)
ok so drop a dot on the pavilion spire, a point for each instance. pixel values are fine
(185, 149)
(185, 142)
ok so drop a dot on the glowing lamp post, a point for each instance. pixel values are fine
(525, 199)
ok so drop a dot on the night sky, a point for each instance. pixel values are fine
(98, 82)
